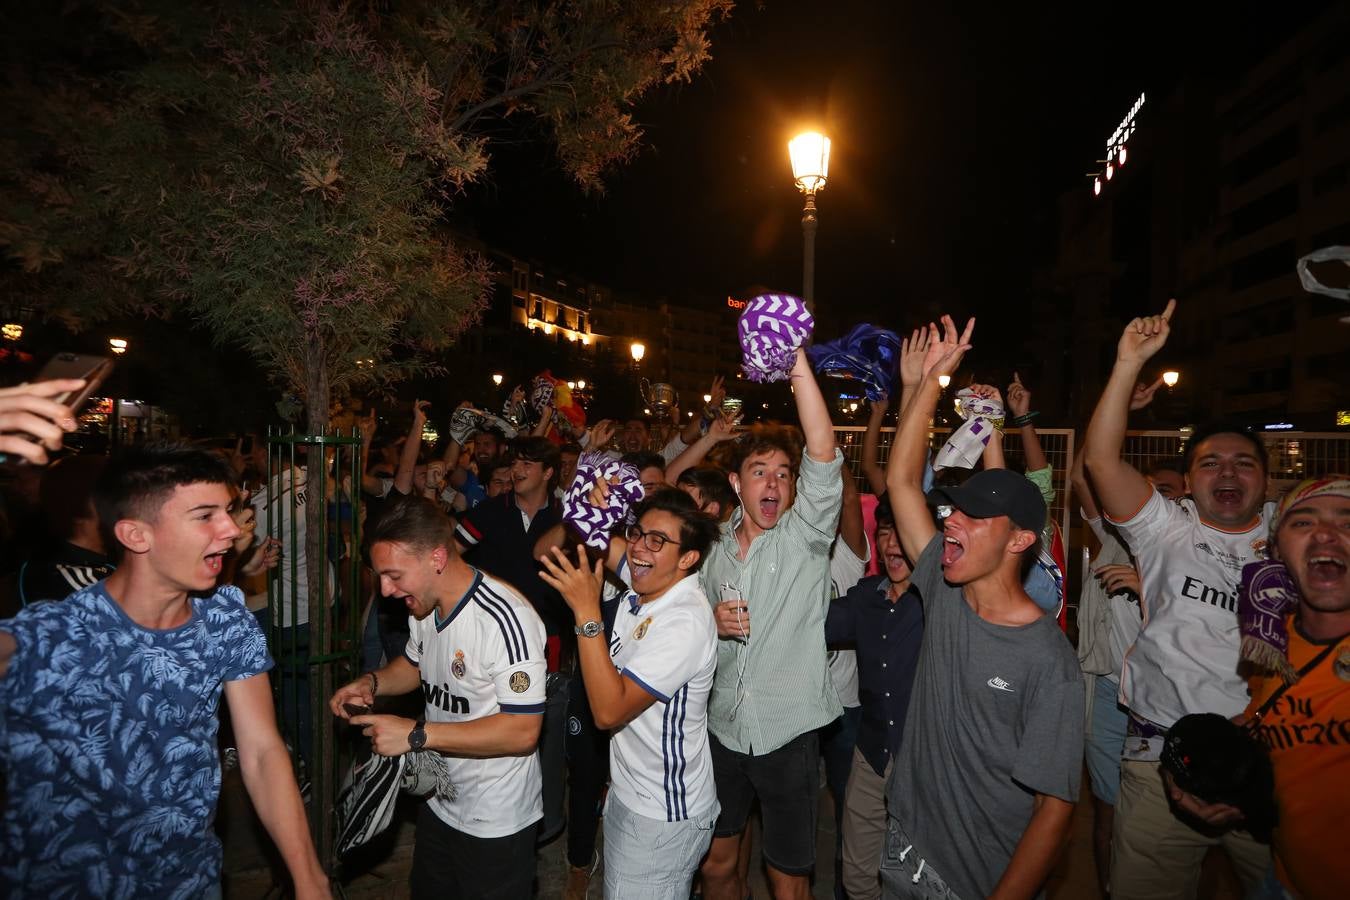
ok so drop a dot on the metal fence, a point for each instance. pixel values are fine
(314, 603)
(1290, 456)
(1058, 444)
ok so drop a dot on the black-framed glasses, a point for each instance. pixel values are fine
(652, 540)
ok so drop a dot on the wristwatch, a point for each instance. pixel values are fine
(417, 738)
(589, 629)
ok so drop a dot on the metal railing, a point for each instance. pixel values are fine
(314, 603)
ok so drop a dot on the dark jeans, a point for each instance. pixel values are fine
(449, 864)
(587, 774)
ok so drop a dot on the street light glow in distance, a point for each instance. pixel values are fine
(1171, 378)
(117, 345)
(497, 379)
(810, 155)
(638, 350)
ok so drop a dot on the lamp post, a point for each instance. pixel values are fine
(118, 346)
(638, 350)
(810, 155)
(1171, 378)
(497, 379)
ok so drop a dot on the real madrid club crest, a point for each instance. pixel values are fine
(1342, 664)
(520, 682)
(641, 631)
(457, 667)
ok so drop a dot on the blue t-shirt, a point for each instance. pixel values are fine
(108, 745)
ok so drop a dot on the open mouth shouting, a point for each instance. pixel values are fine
(769, 507)
(1326, 570)
(952, 549)
(215, 561)
(1228, 495)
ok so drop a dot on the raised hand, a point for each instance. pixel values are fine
(1019, 398)
(420, 408)
(1119, 577)
(986, 392)
(723, 427)
(579, 585)
(1143, 394)
(944, 355)
(32, 422)
(717, 392)
(912, 352)
(367, 424)
(1145, 336)
(602, 433)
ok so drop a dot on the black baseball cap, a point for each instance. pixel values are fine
(996, 492)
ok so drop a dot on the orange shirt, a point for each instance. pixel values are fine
(1308, 733)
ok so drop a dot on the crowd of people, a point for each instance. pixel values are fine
(665, 643)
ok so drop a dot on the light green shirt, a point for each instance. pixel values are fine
(776, 686)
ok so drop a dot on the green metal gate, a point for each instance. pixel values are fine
(314, 606)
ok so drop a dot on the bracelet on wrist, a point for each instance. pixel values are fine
(374, 683)
(1024, 419)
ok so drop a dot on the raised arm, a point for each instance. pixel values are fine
(871, 466)
(1121, 490)
(407, 461)
(723, 428)
(1082, 488)
(1019, 405)
(851, 530)
(904, 473)
(993, 457)
(812, 412)
(711, 410)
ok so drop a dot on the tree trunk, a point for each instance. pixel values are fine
(321, 619)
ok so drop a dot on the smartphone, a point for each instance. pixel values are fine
(93, 369)
(356, 709)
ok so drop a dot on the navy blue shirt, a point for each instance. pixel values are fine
(887, 637)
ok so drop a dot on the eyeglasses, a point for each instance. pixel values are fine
(652, 540)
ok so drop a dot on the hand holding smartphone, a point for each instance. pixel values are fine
(35, 417)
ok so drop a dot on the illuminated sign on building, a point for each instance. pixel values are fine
(733, 303)
(1116, 154)
(1342, 418)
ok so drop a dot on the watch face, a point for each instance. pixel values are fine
(591, 629)
(417, 739)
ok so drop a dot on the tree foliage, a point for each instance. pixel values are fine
(279, 171)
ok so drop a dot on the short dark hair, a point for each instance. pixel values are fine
(539, 450)
(1207, 431)
(1166, 464)
(641, 420)
(501, 461)
(645, 459)
(884, 516)
(570, 447)
(67, 491)
(493, 432)
(766, 437)
(136, 483)
(712, 483)
(698, 530)
(413, 521)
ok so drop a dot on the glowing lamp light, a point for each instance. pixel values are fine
(646, 412)
(585, 341)
(571, 385)
(117, 345)
(1171, 378)
(707, 398)
(638, 350)
(12, 331)
(1096, 187)
(944, 380)
(581, 383)
(548, 329)
(1120, 157)
(1110, 170)
(498, 378)
(853, 407)
(810, 155)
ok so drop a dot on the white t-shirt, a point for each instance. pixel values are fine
(846, 570)
(1185, 659)
(660, 763)
(287, 494)
(486, 658)
(1122, 619)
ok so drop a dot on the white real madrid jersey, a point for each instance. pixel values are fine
(486, 658)
(1185, 659)
(660, 763)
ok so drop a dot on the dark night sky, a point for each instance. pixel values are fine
(953, 133)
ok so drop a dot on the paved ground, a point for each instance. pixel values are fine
(382, 873)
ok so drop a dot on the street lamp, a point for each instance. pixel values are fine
(117, 345)
(1171, 378)
(581, 384)
(639, 350)
(497, 379)
(810, 155)
(12, 331)
(944, 380)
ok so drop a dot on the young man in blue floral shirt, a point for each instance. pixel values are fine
(108, 705)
